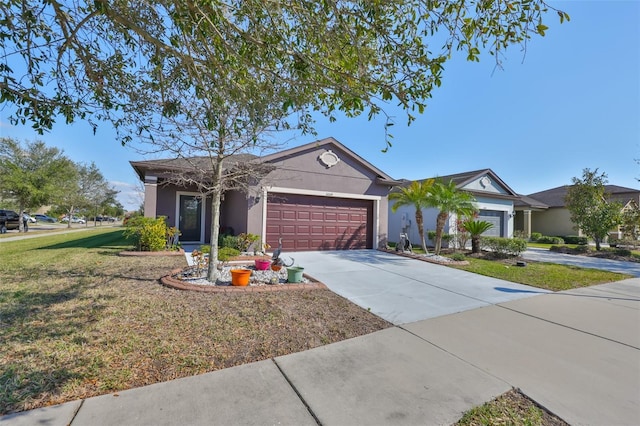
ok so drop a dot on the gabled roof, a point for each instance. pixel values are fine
(463, 179)
(182, 164)
(554, 197)
(382, 176)
(185, 164)
(529, 202)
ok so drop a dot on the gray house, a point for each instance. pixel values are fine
(318, 196)
(494, 201)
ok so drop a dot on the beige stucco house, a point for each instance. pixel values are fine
(545, 211)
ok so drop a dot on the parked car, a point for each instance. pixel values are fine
(45, 218)
(73, 219)
(9, 220)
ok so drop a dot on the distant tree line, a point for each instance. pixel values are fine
(33, 175)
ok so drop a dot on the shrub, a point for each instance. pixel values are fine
(458, 257)
(549, 240)
(622, 252)
(228, 241)
(518, 233)
(582, 248)
(226, 253)
(431, 235)
(146, 233)
(568, 250)
(535, 236)
(245, 241)
(503, 247)
(205, 248)
(575, 239)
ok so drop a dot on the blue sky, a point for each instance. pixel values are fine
(571, 102)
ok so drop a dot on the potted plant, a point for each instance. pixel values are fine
(240, 277)
(263, 264)
(294, 274)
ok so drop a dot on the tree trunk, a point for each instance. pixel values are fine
(597, 240)
(21, 223)
(475, 244)
(440, 220)
(420, 224)
(216, 196)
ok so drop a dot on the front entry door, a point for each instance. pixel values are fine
(190, 223)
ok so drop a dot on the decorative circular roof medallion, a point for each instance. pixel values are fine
(485, 181)
(329, 158)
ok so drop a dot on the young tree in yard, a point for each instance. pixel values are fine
(212, 139)
(476, 228)
(631, 221)
(416, 194)
(88, 60)
(448, 199)
(80, 189)
(31, 174)
(589, 207)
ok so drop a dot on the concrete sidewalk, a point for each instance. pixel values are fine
(576, 353)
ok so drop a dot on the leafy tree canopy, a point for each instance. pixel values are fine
(31, 173)
(589, 207)
(97, 60)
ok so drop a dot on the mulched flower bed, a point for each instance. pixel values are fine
(432, 258)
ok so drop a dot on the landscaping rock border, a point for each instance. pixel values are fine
(152, 253)
(171, 281)
(426, 258)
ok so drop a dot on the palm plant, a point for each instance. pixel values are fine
(416, 194)
(448, 199)
(476, 228)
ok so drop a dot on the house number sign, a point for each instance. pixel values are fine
(329, 158)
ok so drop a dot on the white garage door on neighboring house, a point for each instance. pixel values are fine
(495, 217)
(307, 222)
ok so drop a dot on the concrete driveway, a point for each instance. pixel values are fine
(403, 290)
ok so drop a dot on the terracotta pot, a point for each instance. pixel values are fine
(276, 268)
(262, 264)
(240, 277)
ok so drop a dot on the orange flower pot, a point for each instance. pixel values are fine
(276, 268)
(240, 277)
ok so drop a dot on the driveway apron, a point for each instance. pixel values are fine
(403, 290)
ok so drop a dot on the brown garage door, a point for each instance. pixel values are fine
(318, 223)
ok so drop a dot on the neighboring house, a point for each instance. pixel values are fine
(546, 212)
(494, 201)
(318, 196)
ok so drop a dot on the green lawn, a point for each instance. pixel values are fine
(548, 276)
(77, 320)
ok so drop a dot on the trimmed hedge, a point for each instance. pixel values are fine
(575, 239)
(535, 236)
(504, 247)
(550, 240)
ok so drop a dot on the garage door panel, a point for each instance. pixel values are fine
(288, 215)
(287, 229)
(494, 217)
(322, 223)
